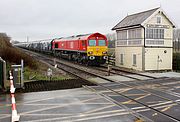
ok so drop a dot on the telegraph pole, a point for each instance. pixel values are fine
(27, 38)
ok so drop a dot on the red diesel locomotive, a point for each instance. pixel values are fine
(89, 48)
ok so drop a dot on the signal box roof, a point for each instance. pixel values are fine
(138, 19)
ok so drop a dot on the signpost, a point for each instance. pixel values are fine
(55, 65)
(109, 69)
(49, 73)
(18, 75)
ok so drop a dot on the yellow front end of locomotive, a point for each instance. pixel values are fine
(97, 51)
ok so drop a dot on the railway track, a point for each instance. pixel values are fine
(139, 82)
(158, 88)
(151, 108)
(99, 70)
(171, 117)
(46, 85)
(80, 72)
(133, 73)
(89, 72)
(123, 73)
(134, 84)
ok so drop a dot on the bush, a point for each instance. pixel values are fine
(13, 55)
(176, 61)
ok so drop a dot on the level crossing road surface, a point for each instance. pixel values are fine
(162, 94)
(63, 105)
(86, 105)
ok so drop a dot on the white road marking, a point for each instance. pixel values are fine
(68, 104)
(101, 108)
(58, 106)
(109, 113)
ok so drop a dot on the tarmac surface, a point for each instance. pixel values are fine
(63, 106)
(76, 105)
(162, 101)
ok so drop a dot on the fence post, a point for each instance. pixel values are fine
(177, 63)
(15, 116)
(22, 73)
(109, 69)
(2, 74)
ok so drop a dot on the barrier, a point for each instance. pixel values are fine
(110, 60)
(18, 75)
(15, 116)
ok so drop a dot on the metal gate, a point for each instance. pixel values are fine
(18, 78)
(1, 75)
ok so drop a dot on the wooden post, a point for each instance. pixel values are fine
(109, 69)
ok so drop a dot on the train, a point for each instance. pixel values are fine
(91, 49)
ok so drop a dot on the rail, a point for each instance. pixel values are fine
(123, 95)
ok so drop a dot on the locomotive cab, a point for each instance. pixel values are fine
(97, 48)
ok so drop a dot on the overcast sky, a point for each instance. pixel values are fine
(44, 19)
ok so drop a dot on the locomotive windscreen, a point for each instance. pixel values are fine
(92, 42)
(101, 43)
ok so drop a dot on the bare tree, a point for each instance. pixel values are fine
(111, 39)
(176, 40)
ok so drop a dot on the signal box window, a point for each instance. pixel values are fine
(92, 42)
(56, 45)
(102, 43)
(153, 33)
(159, 20)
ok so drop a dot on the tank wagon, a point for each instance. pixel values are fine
(40, 46)
(88, 48)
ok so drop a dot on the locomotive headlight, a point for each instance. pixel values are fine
(91, 52)
(105, 52)
(91, 57)
(105, 57)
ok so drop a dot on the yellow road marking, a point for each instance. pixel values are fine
(155, 114)
(100, 108)
(124, 90)
(132, 102)
(134, 94)
(167, 108)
